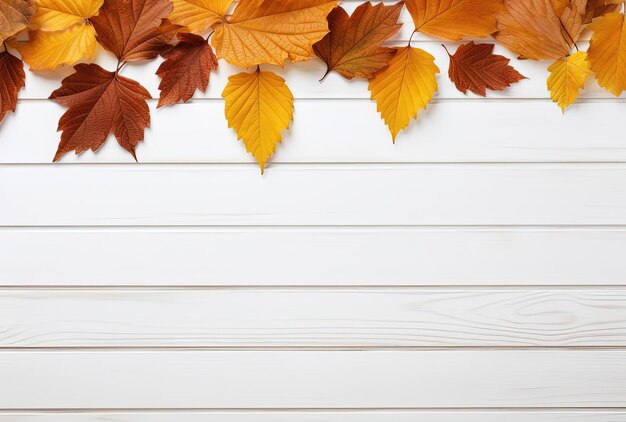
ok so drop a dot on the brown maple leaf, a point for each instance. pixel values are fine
(475, 67)
(12, 79)
(186, 68)
(353, 47)
(100, 102)
(135, 29)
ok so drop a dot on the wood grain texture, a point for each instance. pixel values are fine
(326, 380)
(348, 131)
(329, 416)
(312, 318)
(330, 256)
(108, 195)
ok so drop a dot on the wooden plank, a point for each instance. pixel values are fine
(313, 318)
(312, 379)
(303, 78)
(329, 416)
(348, 131)
(314, 195)
(330, 255)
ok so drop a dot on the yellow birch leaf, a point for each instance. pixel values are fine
(259, 106)
(199, 15)
(607, 52)
(272, 31)
(567, 77)
(47, 50)
(405, 87)
(57, 15)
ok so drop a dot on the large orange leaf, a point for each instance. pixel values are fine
(474, 67)
(134, 29)
(272, 31)
(534, 30)
(12, 79)
(607, 52)
(454, 19)
(100, 102)
(14, 16)
(186, 68)
(199, 15)
(353, 47)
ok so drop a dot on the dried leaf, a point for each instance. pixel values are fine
(272, 31)
(534, 30)
(455, 19)
(353, 47)
(567, 77)
(100, 102)
(186, 68)
(48, 50)
(607, 52)
(199, 15)
(405, 87)
(475, 67)
(14, 16)
(57, 15)
(12, 80)
(135, 29)
(259, 106)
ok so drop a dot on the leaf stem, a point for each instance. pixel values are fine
(120, 65)
(568, 34)
(446, 48)
(411, 38)
(209, 36)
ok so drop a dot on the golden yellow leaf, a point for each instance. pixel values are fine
(567, 77)
(199, 15)
(405, 87)
(455, 19)
(272, 31)
(57, 15)
(47, 50)
(14, 16)
(607, 52)
(259, 106)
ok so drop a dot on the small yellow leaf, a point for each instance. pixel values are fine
(567, 77)
(199, 15)
(259, 106)
(607, 52)
(405, 87)
(47, 50)
(57, 15)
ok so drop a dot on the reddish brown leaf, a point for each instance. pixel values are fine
(100, 102)
(12, 79)
(353, 47)
(186, 68)
(135, 29)
(475, 67)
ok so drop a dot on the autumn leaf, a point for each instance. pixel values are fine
(259, 106)
(475, 67)
(57, 15)
(567, 77)
(534, 30)
(597, 8)
(186, 68)
(14, 16)
(100, 102)
(405, 87)
(455, 19)
(48, 50)
(272, 31)
(135, 29)
(199, 15)
(64, 35)
(607, 52)
(353, 47)
(12, 79)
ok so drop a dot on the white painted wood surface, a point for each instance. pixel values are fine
(472, 272)
(221, 318)
(312, 379)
